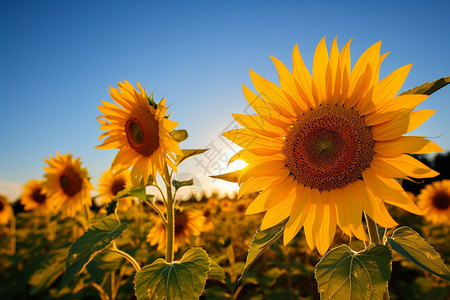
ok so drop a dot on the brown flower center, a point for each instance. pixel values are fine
(38, 196)
(70, 182)
(207, 213)
(2, 205)
(441, 200)
(117, 186)
(329, 147)
(181, 222)
(241, 208)
(142, 131)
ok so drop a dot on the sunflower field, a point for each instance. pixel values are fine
(336, 201)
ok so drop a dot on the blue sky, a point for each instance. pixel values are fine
(58, 59)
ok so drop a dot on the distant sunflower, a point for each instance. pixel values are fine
(67, 185)
(325, 147)
(187, 224)
(241, 206)
(208, 226)
(226, 205)
(6, 211)
(434, 200)
(111, 183)
(140, 130)
(34, 198)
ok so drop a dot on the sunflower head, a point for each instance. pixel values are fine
(187, 223)
(67, 185)
(324, 147)
(34, 198)
(6, 212)
(140, 129)
(111, 183)
(434, 200)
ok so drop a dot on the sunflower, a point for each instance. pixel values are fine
(67, 184)
(241, 206)
(187, 223)
(111, 183)
(226, 205)
(140, 130)
(208, 225)
(34, 198)
(434, 200)
(6, 211)
(325, 147)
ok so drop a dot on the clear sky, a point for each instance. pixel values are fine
(58, 59)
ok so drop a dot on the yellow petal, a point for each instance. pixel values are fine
(408, 166)
(406, 144)
(259, 124)
(372, 205)
(299, 212)
(390, 191)
(320, 63)
(272, 93)
(384, 91)
(302, 77)
(287, 83)
(281, 211)
(313, 219)
(327, 229)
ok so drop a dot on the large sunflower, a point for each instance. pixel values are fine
(325, 147)
(6, 211)
(187, 223)
(140, 129)
(67, 184)
(111, 183)
(34, 198)
(434, 200)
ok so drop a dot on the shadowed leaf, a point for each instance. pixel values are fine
(84, 249)
(428, 88)
(261, 241)
(178, 280)
(345, 274)
(412, 246)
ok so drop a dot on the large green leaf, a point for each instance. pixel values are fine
(231, 177)
(428, 88)
(179, 135)
(216, 272)
(189, 153)
(345, 274)
(50, 268)
(261, 241)
(412, 246)
(178, 280)
(84, 249)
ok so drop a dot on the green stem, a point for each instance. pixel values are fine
(126, 256)
(374, 238)
(170, 228)
(86, 210)
(13, 234)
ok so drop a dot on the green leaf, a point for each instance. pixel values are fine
(188, 153)
(412, 246)
(428, 88)
(261, 241)
(232, 176)
(178, 280)
(179, 135)
(138, 192)
(84, 249)
(345, 274)
(178, 184)
(216, 272)
(50, 268)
